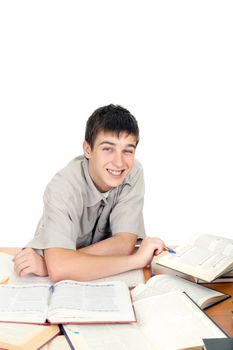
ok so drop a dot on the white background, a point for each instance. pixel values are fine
(168, 62)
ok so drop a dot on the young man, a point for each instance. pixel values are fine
(93, 208)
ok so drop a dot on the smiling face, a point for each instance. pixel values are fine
(111, 159)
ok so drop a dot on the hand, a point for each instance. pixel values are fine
(149, 247)
(28, 261)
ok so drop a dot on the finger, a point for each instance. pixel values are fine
(26, 271)
(21, 266)
(159, 248)
(21, 254)
(27, 255)
(21, 260)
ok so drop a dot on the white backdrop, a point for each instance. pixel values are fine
(168, 62)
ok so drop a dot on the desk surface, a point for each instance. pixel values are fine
(220, 313)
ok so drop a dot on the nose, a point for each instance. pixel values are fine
(118, 159)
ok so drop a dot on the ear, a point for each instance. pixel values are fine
(86, 149)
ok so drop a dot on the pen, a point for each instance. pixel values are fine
(169, 250)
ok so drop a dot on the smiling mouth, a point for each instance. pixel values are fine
(115, 172)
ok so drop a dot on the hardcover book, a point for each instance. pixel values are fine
(203, 256)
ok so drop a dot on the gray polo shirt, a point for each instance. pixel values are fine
(76, 214)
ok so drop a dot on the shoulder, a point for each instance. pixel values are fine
(69, 179)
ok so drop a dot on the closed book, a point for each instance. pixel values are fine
(218, 344)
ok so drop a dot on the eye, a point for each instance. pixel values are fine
(107, 149)
(129, 151)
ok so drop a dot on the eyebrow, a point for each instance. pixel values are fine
(114, 144)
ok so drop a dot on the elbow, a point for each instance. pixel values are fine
(56, 261)
(61, 266)
(55, 273)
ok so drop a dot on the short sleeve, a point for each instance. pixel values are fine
(59, 225)
(127, 215)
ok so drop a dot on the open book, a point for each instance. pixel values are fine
(160, 284)
(204, 256)
(170, 321)
(66, 302)
(226, 278)
(26, 336)
(131, 278)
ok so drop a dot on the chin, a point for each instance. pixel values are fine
(113, 184)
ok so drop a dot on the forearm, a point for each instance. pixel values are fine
(82, 266)
(119, 244)
(77, 265)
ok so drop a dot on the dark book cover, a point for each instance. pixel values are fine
(218, 344)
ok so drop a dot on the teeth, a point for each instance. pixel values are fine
(114, 172)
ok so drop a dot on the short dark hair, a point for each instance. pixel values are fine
(113, 118)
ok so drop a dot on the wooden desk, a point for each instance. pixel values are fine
(12, 251)
(220, 313)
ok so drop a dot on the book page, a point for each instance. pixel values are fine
(91, 302)
(107, 337)
(131, 278)
(6, 266)
(207, 259)
(28, 279)
(173, 321)
(199, 256)
(214, 243)
(27, 303)
(144, 291)
(161, 284)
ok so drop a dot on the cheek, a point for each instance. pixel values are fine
(129, 161)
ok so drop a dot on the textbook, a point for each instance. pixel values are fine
(226, 278)
(66, 302)
(160, 284)
(169, 321)
(204, 256)
(26, 336)
(132, 278)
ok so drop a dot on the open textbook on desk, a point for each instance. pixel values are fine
(203, 256)
(170, 321)
(160, 284)
(66, 302)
